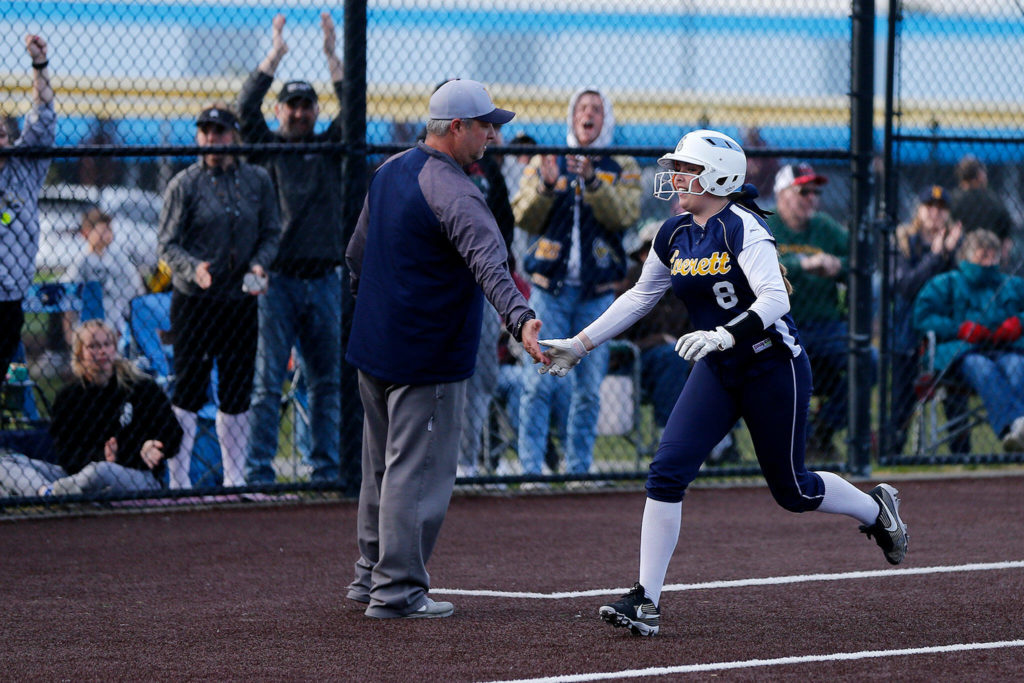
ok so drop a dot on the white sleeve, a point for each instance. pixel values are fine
(634, 304)
(760, 264)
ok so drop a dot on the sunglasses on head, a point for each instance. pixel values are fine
(804, 191)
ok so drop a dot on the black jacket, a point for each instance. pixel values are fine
(308, 187)
(85, 416)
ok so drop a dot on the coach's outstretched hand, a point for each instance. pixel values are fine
(696, 345)
(565, 354)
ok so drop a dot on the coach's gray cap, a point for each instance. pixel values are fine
(465, 99)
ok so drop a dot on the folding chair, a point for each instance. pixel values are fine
(933, 388)
(149, 344)
(621, 402)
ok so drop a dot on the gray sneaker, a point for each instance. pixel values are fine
(432, 610)
(1013, 442)
(889, 531)
(635, 611)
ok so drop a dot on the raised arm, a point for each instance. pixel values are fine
(334, 63)
(42, 92)
(278, 48)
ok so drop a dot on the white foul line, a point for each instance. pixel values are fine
(740, 583)
(781, 661)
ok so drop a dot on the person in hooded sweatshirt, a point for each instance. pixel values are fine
(575, 208)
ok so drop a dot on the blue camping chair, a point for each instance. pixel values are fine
(147, 343)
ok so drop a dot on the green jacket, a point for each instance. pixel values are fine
(982, 295)
(815, 298)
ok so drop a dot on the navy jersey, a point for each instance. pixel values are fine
(707, 277)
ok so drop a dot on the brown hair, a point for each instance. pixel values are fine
(785, 280)
(126, 372)
(94, 216)
(969, 168)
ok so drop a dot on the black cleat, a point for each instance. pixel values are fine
(634, 611)
(889, 531)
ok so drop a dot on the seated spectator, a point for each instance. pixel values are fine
(113, 427)
(814, 249)
(925, 247)
(975, 312)
(98, 262)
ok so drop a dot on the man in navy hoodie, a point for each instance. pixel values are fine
(425, 252)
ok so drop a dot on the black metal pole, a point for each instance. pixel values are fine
(887, 220)
(354, 179)
(859, 287)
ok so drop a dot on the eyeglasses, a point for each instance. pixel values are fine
(814, 191)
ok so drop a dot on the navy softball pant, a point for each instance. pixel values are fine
(773, 400)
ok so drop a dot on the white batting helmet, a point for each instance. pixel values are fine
(723, 160)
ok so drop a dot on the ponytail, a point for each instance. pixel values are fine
(785, 280)
(745, 197)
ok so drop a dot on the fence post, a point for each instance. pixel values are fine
(354, 178)
(862, 98)
(888, 216)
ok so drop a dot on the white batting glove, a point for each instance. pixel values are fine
(564, 354)
(696, 345)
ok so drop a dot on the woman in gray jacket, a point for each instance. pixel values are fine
(219, 231)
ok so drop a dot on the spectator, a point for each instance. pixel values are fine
(98, 262)
(925, 247)
(760, 170)
(662, 371)
(112, 427)
(101, 171)
(303, 305)
(512, 165)
(20, 181)
(975, 312)
(486, 175)
(575, 208)
(219, 231)
(976, 206)
(424, 246)
(814, 247)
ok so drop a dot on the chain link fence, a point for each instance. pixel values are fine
(955, 170)
(261, 399)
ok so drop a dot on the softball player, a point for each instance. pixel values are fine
(719, 257)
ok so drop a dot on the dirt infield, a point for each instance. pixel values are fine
(258, 593)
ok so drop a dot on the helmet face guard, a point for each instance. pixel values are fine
(665, 184)
(722, 159)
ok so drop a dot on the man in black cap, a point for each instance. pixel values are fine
(302, 307)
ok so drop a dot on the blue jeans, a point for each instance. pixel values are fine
(563, 315)
(305, 313)
(826, 344)
(663, 373)
(999, 380)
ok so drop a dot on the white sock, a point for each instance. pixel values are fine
(179, 465)
(233, 435)
(843, 498)
(658, 537)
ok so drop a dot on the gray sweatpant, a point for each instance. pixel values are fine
(21, 475)
(410, 452)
